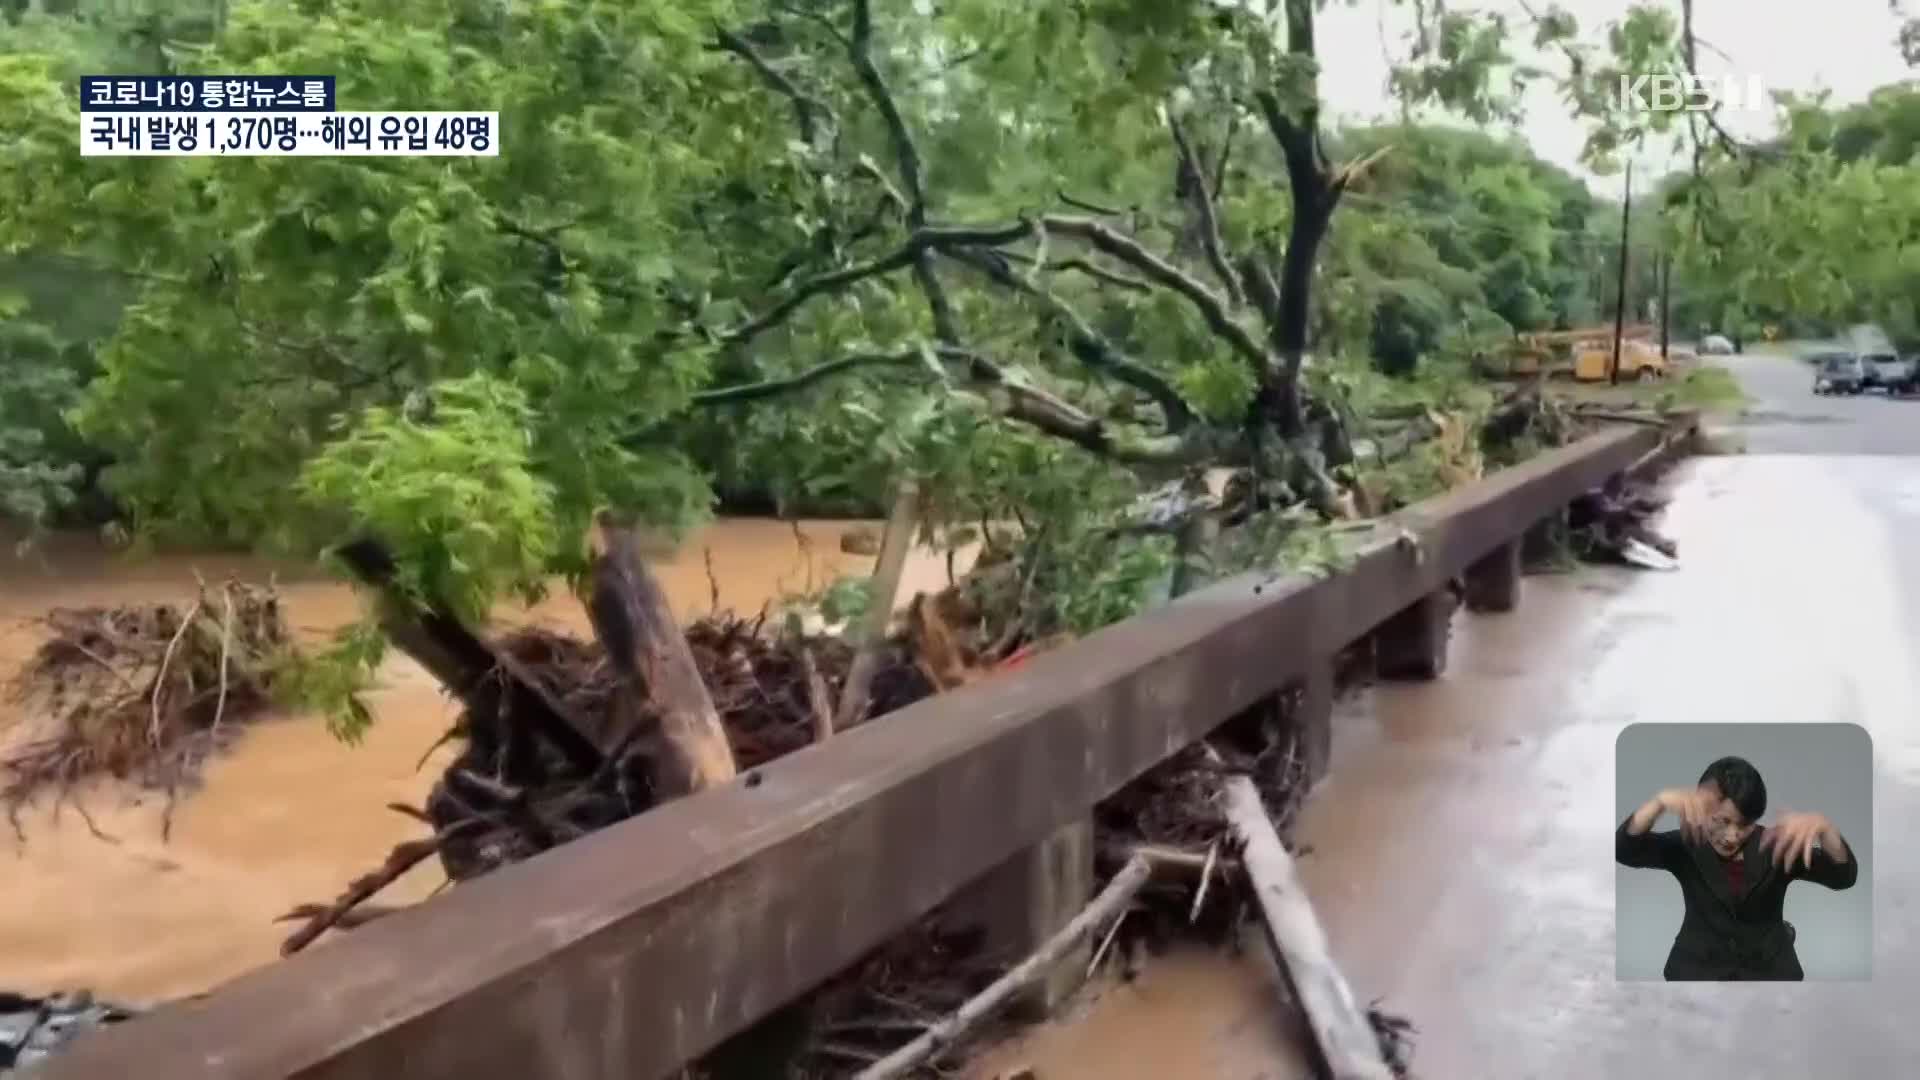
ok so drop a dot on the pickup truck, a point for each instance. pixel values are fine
(1883, 371)
(1906, 380)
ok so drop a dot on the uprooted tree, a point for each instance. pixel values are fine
(1043, 257)
(703, 207)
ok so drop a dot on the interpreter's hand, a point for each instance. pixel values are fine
(1694, 808)
(1792, 838)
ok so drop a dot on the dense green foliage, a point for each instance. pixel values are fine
(1040, 256)
(1812, 232)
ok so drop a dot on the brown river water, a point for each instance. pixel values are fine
(289, 815)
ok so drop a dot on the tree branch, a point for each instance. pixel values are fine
(833, 281)
(1090, 206)
(918, 246)
(1734, 147)
(1015, 400)
(1084, 342)
(1295, 140)
(731, 395)
(1049, 414)
(1226, 154)
(1200, 193)
(1357, 169)
(907, 159)
(808, 110)
(1261, 288)
(1084, 266)
(906, 155)
(1219, 319)
(866, 168)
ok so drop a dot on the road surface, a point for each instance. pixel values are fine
(1786, 417)
(1460, 854)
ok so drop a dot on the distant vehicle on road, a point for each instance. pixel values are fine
(1907, 379)
(1883, 371)
(1880, 364)
(1638, 361)
(1838, 373)
(1715, 345)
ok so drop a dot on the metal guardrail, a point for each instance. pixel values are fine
(634, 950)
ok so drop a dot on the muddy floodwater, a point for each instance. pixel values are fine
(290, 815)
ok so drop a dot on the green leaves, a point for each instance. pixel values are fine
(452, 489)
(329, 682)
(40, 461)
(1813, 235)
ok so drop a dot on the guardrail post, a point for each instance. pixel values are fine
(1413, 643)
(1493, 583)
(1541, 542)
(1313, 722)
(1026, 900)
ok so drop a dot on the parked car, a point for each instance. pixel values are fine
(1882, 371)
(1715, 345)
(1907, 381)
(1838, 373)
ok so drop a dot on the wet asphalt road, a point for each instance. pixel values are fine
(1462, 849)
(1786, 417)
(1460, 855)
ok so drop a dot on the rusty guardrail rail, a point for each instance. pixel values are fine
(634, 950)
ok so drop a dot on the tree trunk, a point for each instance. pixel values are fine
(659, 682)
(896, 543)
(1313, 203)
(487, 682)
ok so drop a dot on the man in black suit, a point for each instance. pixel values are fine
(1733, 873)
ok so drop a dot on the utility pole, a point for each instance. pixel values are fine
(1666, 291)
(1620, 299)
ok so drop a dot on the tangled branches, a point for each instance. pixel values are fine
(143, 693)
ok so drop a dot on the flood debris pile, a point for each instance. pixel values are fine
(1173, 813)
(561, 736)
(142, 693)
(1613, 526)
(870, 1010)
(502, 803)
(32, 1028)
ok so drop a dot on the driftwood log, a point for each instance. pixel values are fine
(1110, 904)
(535, 771)
(895, 544)
(1345, 1035)
(660, 685)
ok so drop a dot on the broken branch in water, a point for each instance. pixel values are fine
(359, 916)
(166, 661)
(404, 857)
(1348, 1042)
(144, 693)
(1111, 903)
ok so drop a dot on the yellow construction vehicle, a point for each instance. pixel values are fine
(1561, 351)
(1638, 360)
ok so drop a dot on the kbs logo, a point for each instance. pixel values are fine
(1672, 93)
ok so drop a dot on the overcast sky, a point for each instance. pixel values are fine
(1846, 46)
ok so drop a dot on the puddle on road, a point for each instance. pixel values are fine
(290, 815)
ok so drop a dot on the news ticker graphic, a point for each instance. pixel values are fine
(206, 93)
(339, 134)
(262, 116)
